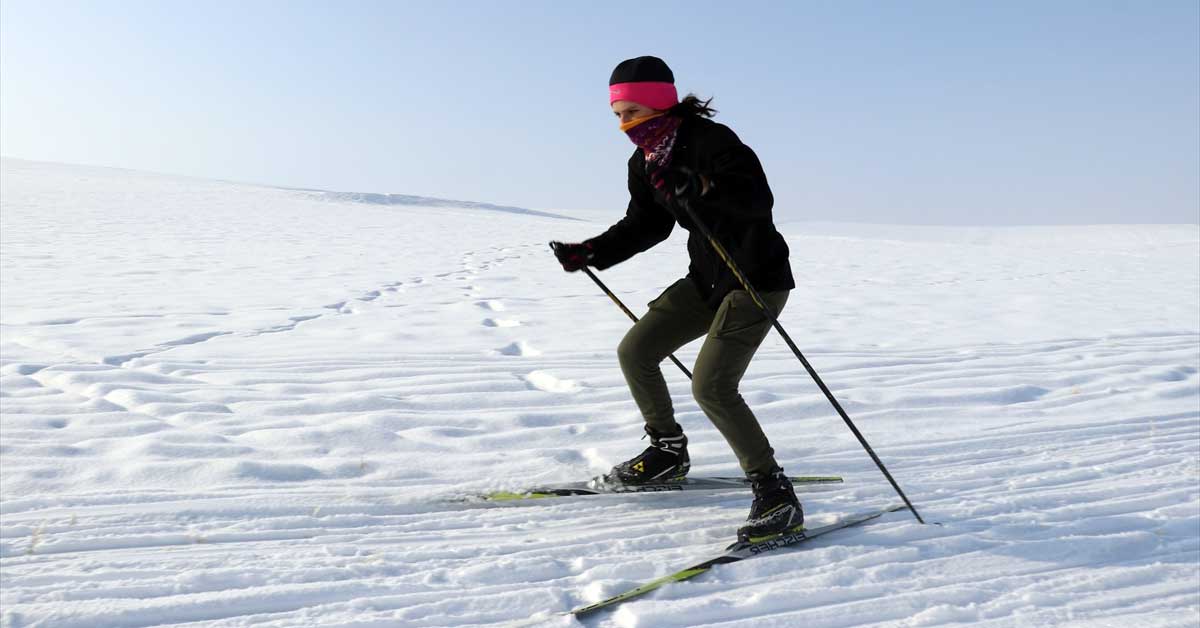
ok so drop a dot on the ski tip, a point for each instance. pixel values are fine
(507, 496)
(815, 479)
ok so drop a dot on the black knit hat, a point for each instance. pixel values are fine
(642, 69)
(644, 80)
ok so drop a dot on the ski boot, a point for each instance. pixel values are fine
(664, 461)
(775, 510)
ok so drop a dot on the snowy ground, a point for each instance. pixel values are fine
(229, 405)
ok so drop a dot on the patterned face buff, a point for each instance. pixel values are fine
(655, 135)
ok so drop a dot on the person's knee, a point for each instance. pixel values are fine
(713, 392)
(631, 353)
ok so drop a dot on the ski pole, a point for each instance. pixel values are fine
(627, 312)
(766, 309)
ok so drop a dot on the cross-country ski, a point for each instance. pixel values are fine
(599, 487)
(737, 552)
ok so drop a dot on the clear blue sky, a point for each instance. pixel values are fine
(896, 112)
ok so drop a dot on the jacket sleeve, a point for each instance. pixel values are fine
(644, 225)
(739, 185)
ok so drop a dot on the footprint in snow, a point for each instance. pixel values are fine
(519, 348)
(491, 304)
(501, 322)
(542, 380)
(195, 339)
(22, 369)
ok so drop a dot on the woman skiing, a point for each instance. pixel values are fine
(684, 157)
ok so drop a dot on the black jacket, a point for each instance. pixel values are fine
(737, 209)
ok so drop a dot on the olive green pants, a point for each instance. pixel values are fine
(732, 335)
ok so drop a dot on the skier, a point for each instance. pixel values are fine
(684, 157)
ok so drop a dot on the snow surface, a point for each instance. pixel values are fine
(234, 405)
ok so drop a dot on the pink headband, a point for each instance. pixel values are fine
(652, 94)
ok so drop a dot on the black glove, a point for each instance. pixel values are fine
(691, 189)
(692, 184)
(573, 256)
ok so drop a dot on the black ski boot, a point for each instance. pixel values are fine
(775, 510)
(665, 460)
